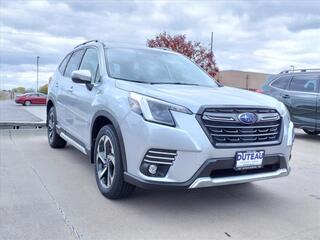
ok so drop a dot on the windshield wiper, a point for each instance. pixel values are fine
(174, 83)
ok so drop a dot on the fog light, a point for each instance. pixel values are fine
(291, 134)
(153, 169)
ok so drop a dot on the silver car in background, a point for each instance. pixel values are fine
(152, 118)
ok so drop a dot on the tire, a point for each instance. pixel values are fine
(312, 133)
(54, 139)
(27, 103)
(108, 165)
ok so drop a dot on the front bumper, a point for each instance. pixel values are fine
(217, 172)
(210, 182)
(197, 158)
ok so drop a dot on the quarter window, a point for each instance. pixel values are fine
(90, 62)
(306, 83)
(73, 63)
(281, 82)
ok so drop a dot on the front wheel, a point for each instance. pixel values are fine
(312, 133)
(27, 103)
(108, 165)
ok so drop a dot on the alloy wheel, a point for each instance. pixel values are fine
(105, 161)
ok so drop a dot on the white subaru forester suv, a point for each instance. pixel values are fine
(152, 118)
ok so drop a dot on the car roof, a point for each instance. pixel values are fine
(125, 46)
(293, 73)
(108, 44)
(28, 93)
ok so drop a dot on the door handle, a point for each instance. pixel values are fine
(57, 85)
(70, 90)
(286, 96)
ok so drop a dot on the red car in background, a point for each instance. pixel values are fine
(31, 98)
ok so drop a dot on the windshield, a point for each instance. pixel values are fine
(155, 67)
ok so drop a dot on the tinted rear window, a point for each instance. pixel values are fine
(281, 82)
(304, 83)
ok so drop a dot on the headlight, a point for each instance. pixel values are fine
(283, 110)
(155, 110)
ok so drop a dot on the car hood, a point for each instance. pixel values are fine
(194, 97)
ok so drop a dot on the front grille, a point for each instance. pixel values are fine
(160, 156)
(224, 129)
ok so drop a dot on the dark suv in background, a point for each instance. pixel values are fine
(299, 91)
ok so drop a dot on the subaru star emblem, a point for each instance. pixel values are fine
(248, 118)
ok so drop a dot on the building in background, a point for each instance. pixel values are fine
(242, 79)
(6, 94)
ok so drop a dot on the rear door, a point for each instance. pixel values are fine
(65, 99)
(57, 88)
(34, 98)
(302, 100)
(279, 87)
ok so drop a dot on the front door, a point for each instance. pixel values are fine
(83, 97)
(35, 98)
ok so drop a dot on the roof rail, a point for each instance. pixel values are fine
(301, 70)
(86, 43)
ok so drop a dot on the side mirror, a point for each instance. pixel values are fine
(81, 76)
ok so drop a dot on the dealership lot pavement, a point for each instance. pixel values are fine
(51, 194)
(12, 112)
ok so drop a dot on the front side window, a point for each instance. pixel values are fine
(304, 83)
(281, 82)
(73, 63)
(90, 62)
(63, 64)
(155, 67)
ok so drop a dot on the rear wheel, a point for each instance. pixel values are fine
(108, 165)
(309, 132)
(27, 103)
(54, 139)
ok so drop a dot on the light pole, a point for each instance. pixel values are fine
(292, 67)
(37, 74)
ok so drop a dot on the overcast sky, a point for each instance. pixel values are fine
(264, 36)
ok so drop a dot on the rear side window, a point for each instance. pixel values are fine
(281, 82)
(90, 62)
(63, 64)
(74, 63)
(304, 83)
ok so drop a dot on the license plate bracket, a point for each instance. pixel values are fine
(249, 159)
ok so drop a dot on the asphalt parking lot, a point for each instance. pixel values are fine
(52, 194)
(10, 113)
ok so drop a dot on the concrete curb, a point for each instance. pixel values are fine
(18, 125)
